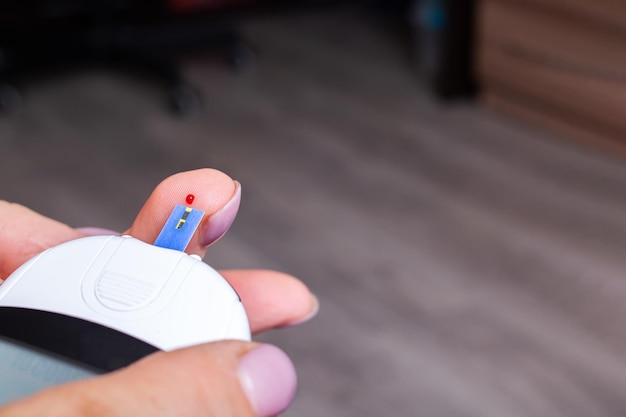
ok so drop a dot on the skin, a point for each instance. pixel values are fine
(197, 381)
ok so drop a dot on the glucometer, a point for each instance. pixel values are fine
(99, 303)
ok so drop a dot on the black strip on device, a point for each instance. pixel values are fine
(91, 344)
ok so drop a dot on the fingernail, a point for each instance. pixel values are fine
(220, 221)
(269, 380)
(96, 231)
(315, 308)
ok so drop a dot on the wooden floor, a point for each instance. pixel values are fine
(467, 265)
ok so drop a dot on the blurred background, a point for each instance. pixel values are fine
(447, 176)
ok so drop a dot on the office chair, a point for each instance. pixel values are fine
(37, 36)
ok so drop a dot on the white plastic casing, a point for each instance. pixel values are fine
(161, 296)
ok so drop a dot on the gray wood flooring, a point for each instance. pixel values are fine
(467, 264)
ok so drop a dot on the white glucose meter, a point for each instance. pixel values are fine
(99, 303)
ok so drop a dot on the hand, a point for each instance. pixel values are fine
(216, 379)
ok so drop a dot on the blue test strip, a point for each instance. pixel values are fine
(179, 228)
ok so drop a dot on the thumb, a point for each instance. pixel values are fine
(220, 379)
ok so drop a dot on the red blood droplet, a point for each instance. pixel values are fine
(190, 198)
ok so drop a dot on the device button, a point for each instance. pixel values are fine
(129, 275)
(124, 292)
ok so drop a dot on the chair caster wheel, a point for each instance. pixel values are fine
(11, 100)
(241, 57)
(184, 100)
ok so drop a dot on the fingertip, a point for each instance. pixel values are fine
(96, 231)
(218, 223)
(289, 303)
(269, 380)
(314, 308)
(211, 190)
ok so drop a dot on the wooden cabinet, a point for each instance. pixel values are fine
(559, 63)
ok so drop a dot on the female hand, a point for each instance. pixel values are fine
(216, 379)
